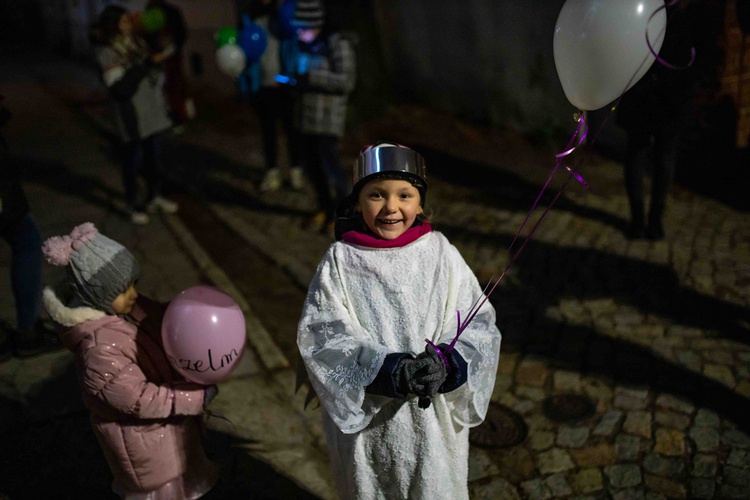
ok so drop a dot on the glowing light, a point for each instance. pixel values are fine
(640, 8)
(214, 319)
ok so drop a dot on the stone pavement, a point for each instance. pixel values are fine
(655, 335)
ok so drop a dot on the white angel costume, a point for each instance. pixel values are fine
(365, 303)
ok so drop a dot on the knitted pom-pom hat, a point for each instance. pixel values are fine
(98, 268)
(309, 14)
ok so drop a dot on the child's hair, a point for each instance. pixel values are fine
(107, 25)
(382, 160)
(98, 269)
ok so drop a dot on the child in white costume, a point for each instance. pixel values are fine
(389, 283)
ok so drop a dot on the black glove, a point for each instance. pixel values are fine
(396, 377)
(209, 393)
(431, 377)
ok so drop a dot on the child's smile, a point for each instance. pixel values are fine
(389, 207)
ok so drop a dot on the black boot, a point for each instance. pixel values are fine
(6, 346)
(34, 341)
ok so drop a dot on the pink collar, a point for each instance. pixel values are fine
(366, 240)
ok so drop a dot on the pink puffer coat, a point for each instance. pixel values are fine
(143, 415)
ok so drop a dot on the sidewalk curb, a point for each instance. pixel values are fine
(268, 352)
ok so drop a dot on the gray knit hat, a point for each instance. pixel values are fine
(309, 14)
(98, 268)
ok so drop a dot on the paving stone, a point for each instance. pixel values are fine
(739, 458)
(664, 466)
(623, 475)
(492, 490)
(720, 373)
(670, 442)
(566, 381)
(532, 393)
(702, 488)
(538, 422)
(690, 359)
(743, 388)
(595, 456)
(572, 437)
(629, 494)
(553, 461)
(704, 465)
(705, 438)
(481, 465)
(667, 487)
(524, 406)
(707, 418)
(627, 447)
(738, 476)
(587, 481)
(541, 440)
(674, 403)
(558, 485)
(732, 491)
(672, 419)
(719, 357)
(733, 437)
(630, 402)
(536, 488)
(532, 372)
(608, 424)
(638, 423)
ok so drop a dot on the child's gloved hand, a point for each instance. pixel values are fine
(432, 375)
(209, 393)
(406, 375)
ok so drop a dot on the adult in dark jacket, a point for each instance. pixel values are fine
(134, 78)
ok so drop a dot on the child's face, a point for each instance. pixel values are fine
(308, 35)
(125, 302)
(389, 207)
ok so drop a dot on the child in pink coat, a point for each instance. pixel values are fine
(145, 417)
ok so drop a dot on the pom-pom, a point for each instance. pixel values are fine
(57, 250)
(82, 234)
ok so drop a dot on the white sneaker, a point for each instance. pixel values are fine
(163, 204)
(139, 218)
(272, 180)
(297, 178)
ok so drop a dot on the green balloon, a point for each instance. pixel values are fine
(153, 19)
(225, 36)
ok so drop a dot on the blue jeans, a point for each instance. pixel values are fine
(25, 270)
(142, 157)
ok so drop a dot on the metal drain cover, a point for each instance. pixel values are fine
(568, 407)
(502, 428)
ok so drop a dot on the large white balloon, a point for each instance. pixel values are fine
(231, 59)
(600, 47)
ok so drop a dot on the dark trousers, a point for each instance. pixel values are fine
(659, 149)
(274, 105)
(323, 166)
(25, 270)
(142, 157)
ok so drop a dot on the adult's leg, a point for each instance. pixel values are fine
(312, 146)
(152, 167)
(265, 103)
(293, 136)
(26, 271)
(636, 156)
(666, 142)
(329, 153)
(131, 160)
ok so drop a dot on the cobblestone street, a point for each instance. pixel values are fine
(655, 335)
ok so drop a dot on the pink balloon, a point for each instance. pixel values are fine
(204, 334)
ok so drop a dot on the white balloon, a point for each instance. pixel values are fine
(231, 59)
(600, 47)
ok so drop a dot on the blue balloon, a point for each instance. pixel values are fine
(252, 39)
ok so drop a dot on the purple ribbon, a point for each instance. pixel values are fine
(651, 48)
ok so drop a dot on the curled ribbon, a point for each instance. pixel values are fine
(651, 48)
